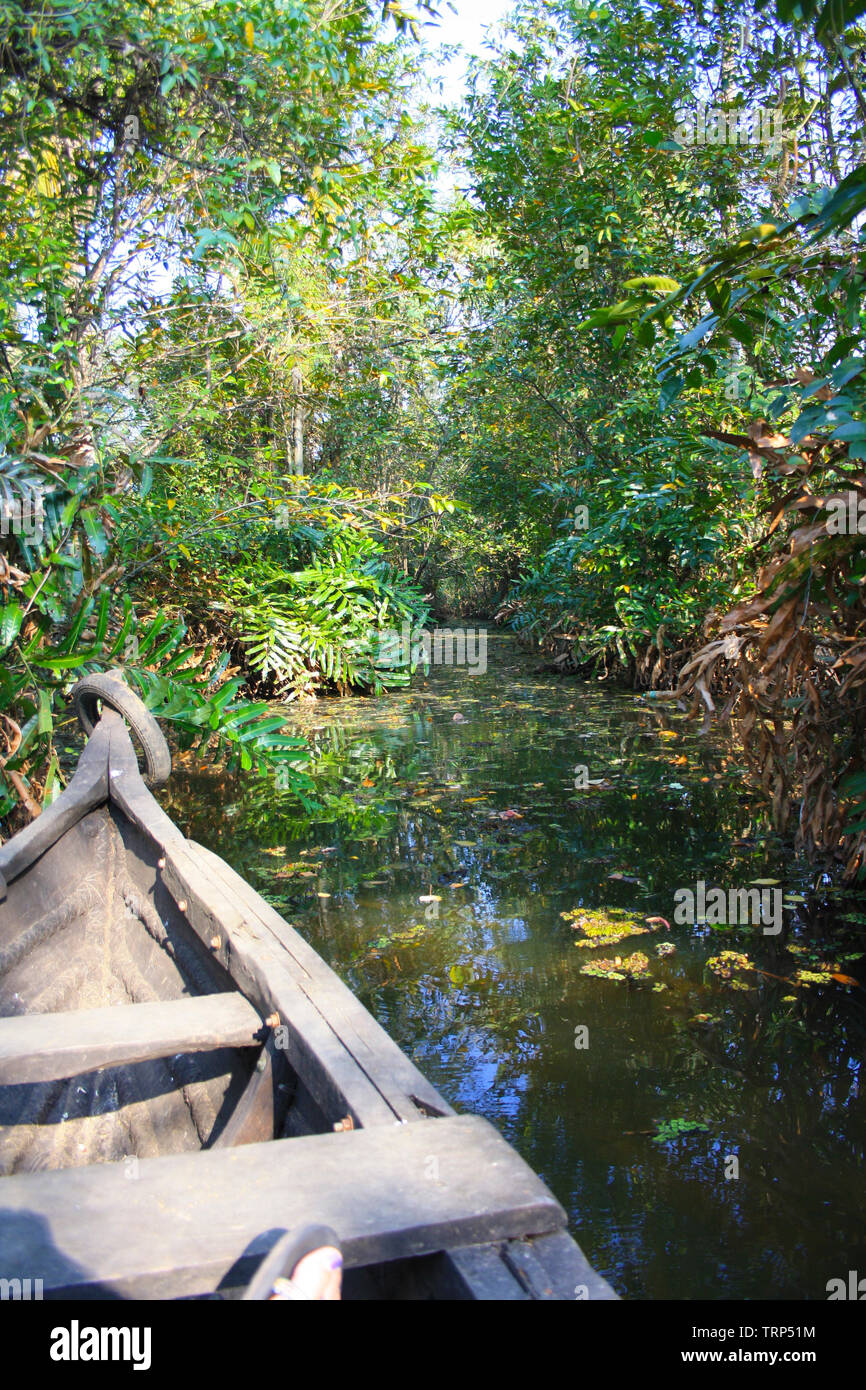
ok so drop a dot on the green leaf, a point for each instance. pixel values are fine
(45, 720)
(662, 284)
(11, 618)
(94, 531)
(669, 390)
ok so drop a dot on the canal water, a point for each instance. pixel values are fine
(702, 1125)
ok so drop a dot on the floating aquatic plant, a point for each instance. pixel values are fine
(675, 1129)
(813, 977)
(603, 926)
(604, 969)
(637, 965)
(726, 965)
(632, 968)
(386, 942)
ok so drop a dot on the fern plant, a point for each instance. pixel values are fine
(320, 628)
(176, 685)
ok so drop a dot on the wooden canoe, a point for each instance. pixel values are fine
(182, 1078)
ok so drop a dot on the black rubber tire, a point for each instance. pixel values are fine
(86, 697)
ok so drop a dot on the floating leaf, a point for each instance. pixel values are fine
(675, 1129)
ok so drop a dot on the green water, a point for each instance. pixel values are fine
(484, 990)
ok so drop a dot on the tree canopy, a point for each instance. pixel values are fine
(290, 356)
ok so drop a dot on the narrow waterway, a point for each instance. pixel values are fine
(706, 1134)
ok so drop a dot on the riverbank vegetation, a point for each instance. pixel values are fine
(291, 357)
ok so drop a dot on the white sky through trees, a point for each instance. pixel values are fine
(466, 28)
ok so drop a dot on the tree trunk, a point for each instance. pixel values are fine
(298, 424)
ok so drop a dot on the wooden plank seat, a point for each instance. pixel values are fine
(192, 1222)
(51, 1047)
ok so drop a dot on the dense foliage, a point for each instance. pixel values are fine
(289, 359)
(181, 187)
(663, 364)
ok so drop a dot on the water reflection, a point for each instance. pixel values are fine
(433, 876)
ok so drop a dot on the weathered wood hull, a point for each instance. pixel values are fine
(91, 940)
(182, 1076)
